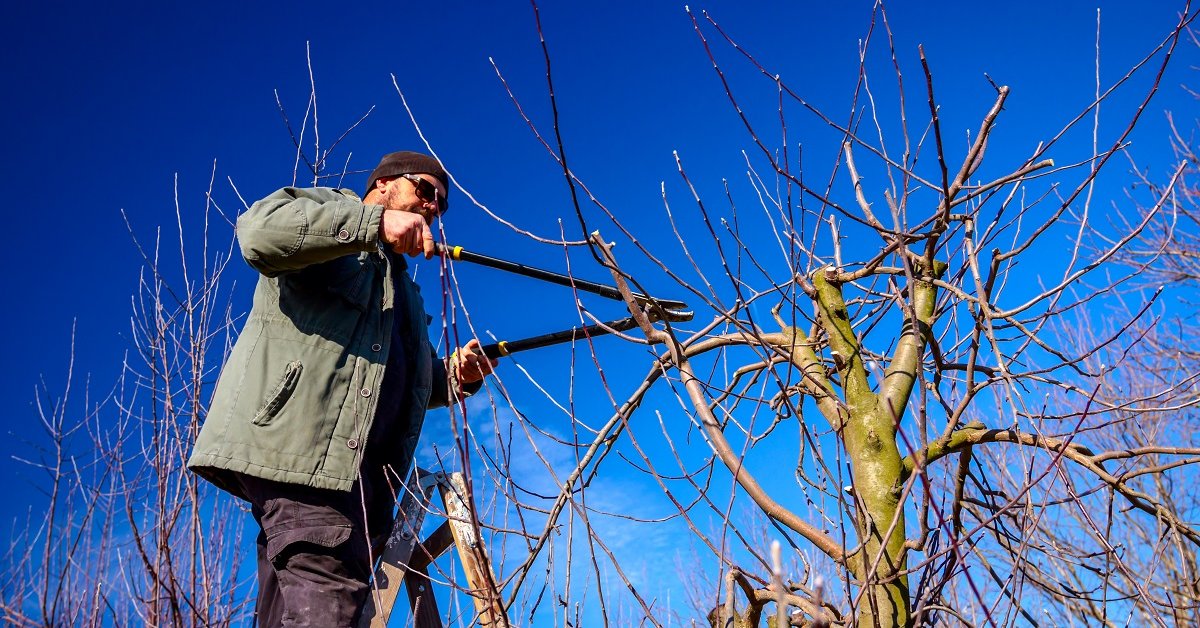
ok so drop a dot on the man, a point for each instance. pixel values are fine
(317, 412)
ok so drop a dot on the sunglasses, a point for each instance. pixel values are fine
(427, 192)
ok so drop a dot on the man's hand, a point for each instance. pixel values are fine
(406, 233)
(471, 365)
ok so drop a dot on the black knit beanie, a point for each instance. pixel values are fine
(407, 162)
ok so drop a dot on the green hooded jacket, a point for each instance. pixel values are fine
(297, 396)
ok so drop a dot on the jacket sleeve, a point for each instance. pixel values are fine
(446, 388)
(294, 228)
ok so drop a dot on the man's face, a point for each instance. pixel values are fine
(407, 193)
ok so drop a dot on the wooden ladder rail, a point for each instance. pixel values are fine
(405, 558)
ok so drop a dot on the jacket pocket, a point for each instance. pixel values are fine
(353, 288)
(305, 294)
(349, 278)
(279, 396)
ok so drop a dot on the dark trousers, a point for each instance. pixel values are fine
(314, 557)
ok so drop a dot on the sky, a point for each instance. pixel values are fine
(116, 111)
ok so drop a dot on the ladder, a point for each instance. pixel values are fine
(405, 559)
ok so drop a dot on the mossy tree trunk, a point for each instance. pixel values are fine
(868, 429)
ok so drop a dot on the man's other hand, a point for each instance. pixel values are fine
(471, 365)
(407, 233)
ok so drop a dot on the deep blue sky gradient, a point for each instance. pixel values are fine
(106, 104)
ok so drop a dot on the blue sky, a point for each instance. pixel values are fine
(107, 104)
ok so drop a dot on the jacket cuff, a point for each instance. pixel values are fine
(459, 391)
(467, 390)
(372, 217)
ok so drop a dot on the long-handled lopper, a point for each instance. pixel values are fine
(668, 309)
(507, 347)
(457, 253)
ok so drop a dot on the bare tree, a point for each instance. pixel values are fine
(1148, 570)
(945, 423)
(128, 536)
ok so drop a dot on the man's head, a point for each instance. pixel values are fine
(409, 181)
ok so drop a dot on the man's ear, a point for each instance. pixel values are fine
(380, 186)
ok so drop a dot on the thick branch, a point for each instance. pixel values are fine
(975, 433)
(906, 362)
(733, 462)
(843, 343)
